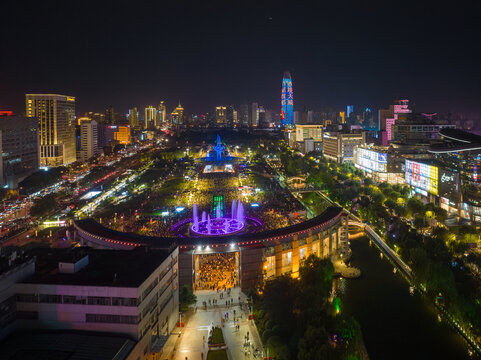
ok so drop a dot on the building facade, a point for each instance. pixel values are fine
(89, 147)
(308, 132)
(150, 116)
(133, 117)
(56, 124)
(287, 101)
(122, 135)
(19, 149)
(221, 116)
(339, 146)
(65, 293)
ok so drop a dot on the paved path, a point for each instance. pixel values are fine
(191, 345)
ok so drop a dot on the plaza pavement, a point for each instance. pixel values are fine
(190, 344)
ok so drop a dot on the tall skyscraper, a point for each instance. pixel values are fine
(88, 140)
(149, 116)
(56, 123)
(133, 116)
(244, 115)
(110, 115)
(287, 101)
(230, 113)
(254, 115)
(349, 110)
(221, 115)
(177, 116)
(162, 114)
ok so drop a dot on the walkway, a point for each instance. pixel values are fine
(191, 343)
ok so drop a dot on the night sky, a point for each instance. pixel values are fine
(126, 53)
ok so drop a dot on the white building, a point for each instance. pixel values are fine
(339, 146)
(126, 292)
(88, 140)
(308, 132)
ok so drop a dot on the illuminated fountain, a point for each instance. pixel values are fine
(220, 225)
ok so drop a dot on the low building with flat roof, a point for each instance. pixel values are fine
(133, 293)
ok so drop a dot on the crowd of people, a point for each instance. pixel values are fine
(216, 272)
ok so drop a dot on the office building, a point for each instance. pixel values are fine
(131, 293)
(254, 115)
(122, 135)
(19, 149)
(177, 116)
(56, 124)
(308, 132)
(287, 101)
(110, 115)
(339, 145)
(349, 110)
(150, 116)
(161, 115)
(243, 115)
(221, 116)
(134, 119)
(231, 116)
(388, 117)
(88, 140)
(16, 266)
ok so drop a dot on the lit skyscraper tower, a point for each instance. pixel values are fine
(287, 101)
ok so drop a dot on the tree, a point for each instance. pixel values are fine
(43, 206)
(186, 297)
(415, 206)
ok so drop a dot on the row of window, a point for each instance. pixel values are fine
(81, 300)
(111, 319)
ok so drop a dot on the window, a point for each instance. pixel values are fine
(108, 318)
(99, 300)
(50, 299)
(302, 253)
(287, 258)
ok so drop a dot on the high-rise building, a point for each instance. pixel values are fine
(244, 115)
(287, 101)
(88, 140)
(342, 115)
(110, 115)
(221, 115)
(262, 118)
(339, 145)
(304, 132)
(349, 110)
(254, 115)
(230, 114)
(177, 116)
(133, 116)
(149, 116)
(56, 122)
(19, 149)
(161, 114)
(388, 117)
(122, 135)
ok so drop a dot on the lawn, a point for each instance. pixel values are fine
(217, 355)
(217, 336)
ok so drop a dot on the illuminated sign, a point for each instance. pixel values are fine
(70, 98)
(369, 160)
(422, 176)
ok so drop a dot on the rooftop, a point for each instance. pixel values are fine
(120, 268)
(65, 345)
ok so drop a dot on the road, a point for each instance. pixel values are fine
(192, 344)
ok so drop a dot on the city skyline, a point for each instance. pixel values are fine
(338, 55)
